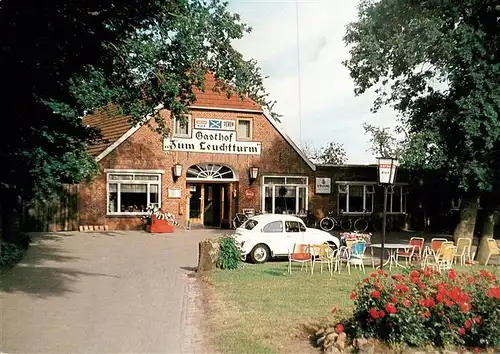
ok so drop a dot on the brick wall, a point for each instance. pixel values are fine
(144, 150)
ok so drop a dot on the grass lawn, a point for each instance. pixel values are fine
(261, 308)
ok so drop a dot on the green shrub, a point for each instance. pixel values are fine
(229, 255)
(11, 254)
(425, 307)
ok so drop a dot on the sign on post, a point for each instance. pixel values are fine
(387, 170)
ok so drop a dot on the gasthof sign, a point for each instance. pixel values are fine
(323, 185)
(210, 141)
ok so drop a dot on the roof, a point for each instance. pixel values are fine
(115, 128)
(111, 124)
(211, 98)
(274, 217)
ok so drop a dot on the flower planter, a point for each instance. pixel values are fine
(159, 226)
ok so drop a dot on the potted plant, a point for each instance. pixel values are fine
(159, 221)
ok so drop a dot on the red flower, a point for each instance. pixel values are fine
(467, 324)
(339, 328)
(406, 303)
(375, 294)
(414, 274)
(381, 314)
(452, 274)
(381, 272)
(374, 313)
(354, 295)
(470, 280)
(394, 300)
(334, 310)
(476, 320)
(373, 275)
(461, 331)
(493, 293)
(390, 308)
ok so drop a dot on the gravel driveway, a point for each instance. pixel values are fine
(113, 292)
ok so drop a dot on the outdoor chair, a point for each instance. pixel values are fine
(322, 254)
(463, 250)
(436, 249)
(442, 260)
(354, 256)
(301, 253)
(413, 252)
(493, 249)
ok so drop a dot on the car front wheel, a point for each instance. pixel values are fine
(260, 254)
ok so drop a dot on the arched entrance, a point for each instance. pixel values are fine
(210, 197)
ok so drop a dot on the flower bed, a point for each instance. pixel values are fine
(424, 307)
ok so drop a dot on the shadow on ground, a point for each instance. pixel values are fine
(42, 273)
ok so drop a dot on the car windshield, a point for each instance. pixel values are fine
(250, 224)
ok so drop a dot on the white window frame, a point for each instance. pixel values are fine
(110, 172)
(390, 198)
(274, 193)
(366, 187)
(250, 120)
(189, 128)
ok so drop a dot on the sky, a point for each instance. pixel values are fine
(329, 110)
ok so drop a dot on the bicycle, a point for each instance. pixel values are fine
(361, 224)
(241, 218)
(329, 222)
(308, 218)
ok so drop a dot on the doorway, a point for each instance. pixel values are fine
(210, 204)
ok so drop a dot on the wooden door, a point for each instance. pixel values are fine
(196, 197)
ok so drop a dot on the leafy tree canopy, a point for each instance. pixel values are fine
(331, 154)
(62, 58)
(437, 63)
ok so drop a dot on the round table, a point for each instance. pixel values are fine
(392, 249)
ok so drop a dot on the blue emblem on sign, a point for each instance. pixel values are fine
(215, 124)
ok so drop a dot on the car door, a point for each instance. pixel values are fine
(294, 233)
(273, 236)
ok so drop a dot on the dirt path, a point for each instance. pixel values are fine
(115, 292)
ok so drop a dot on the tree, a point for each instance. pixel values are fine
(62, 58)
(332, 154)
(383, 142)
(436, 63)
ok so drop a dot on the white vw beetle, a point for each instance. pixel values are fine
(273, 235)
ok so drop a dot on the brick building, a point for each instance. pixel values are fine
(230, 156)
(203, 173)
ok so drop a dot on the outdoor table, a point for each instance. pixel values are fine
(392, 249)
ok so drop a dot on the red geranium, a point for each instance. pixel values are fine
(461, 331)
(406, 303)
(375, 294)
(354, 295)
(374, 313)
(467, 324)
(339, 328)
(381, 314)
(390, 308)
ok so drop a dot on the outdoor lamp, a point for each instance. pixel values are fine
(253, 173)
(177, 170)
(387, 170)
(387, 167)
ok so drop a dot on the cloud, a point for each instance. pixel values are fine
(329, 111)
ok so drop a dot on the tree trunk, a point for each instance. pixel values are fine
(468, 213)
(486, 232)
(208, 253)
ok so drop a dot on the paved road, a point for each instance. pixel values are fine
(114, 292)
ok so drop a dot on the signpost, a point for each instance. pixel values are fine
(386, 177)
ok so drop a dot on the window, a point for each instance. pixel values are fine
(355, 197)
(274, 226)
(244, 129)
(396, 200)
(182, 128)
(284, 195)
(294, 226)
(130, 193)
